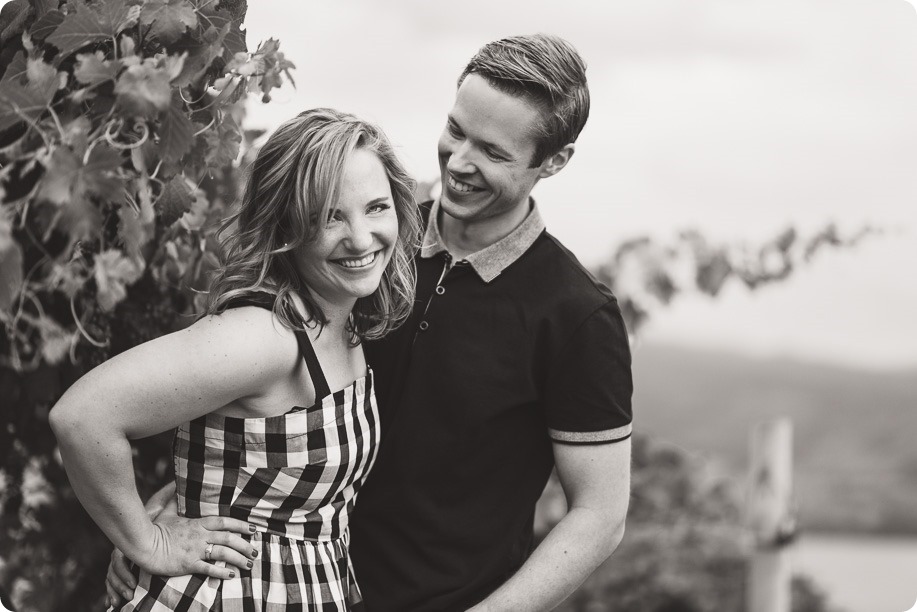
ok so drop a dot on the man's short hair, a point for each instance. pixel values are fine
(546, 71)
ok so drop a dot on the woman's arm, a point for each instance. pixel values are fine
(150, 389)
(119, 580)
(161, 500)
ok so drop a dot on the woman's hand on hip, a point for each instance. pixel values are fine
(192, 546)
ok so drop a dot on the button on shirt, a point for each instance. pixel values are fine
(510, 350)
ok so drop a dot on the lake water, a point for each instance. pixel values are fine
(861, 574)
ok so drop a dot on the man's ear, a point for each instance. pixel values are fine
(556, 162)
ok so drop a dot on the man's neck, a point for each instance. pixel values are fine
(462, 238)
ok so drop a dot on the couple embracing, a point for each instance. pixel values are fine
(378, 391)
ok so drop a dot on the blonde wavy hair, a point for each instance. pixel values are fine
(292, 186)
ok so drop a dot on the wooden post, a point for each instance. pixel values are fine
(770, 516)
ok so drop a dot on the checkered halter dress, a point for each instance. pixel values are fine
(295, 477)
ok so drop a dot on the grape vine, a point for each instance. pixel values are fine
(119, 137)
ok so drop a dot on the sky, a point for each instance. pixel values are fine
(736, 118)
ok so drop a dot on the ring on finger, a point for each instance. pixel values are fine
(208, 554)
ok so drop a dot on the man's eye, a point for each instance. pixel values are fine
(453, 130)
(494, 156)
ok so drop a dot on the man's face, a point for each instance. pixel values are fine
(485, 151)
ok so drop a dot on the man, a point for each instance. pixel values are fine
(515, 360)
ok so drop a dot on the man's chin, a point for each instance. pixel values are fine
(462, 205)
(453, 209)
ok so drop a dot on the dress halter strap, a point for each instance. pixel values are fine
(266, 301)
(322, 390)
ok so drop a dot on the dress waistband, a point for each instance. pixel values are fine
(287, 540)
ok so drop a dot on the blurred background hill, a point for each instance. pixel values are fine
(855, 456)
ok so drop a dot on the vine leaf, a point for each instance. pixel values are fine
(78, 29)
(72, 186)
(196, 216)
(61, 169)
(128, 50)
(136, 227)
(113, 272)
(46, 24)
(16, 70)
(76, 134)
(175, 200)
(68, 278)
(93, 68)
(234, 41)
(79, 218)
(785, 241)
(143, 89)
(202, 55)
(713, 269)
(18, 103)
(100, 178)
(55, 340)
(116, 15)
(229, 89)
(263, 68)
(42, 7)
(274, 64)
(85, 25)
(168, 19)
(10, 265)
(246, 66)
(42, 78)
(176, 133)
(222, 143)
(13, 16)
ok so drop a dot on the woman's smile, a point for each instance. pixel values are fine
(357, 263)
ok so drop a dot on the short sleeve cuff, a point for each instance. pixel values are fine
(606, 436)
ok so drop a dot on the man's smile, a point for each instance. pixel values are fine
(461, 187)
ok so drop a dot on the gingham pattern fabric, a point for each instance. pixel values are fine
(295, 477)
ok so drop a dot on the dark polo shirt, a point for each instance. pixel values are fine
(507, 351)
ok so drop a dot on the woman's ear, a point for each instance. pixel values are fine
(556, 162)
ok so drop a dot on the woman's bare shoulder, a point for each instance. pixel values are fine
(256, 335)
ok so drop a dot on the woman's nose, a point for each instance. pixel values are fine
(360, 236)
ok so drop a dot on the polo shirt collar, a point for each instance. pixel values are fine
(489, 262)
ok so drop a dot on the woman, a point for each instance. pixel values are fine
(318, 258)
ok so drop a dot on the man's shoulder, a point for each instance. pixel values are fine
(560, 273)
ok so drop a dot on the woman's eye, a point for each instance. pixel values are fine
(333, 217)
(380, 207)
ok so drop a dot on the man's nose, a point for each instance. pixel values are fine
(460, 160)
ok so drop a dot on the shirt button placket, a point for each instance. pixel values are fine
(425, 325)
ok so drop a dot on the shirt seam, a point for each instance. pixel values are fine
(569, 341)
(626, 432)
(580, 270)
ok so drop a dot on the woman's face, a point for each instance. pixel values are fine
(346, 259)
